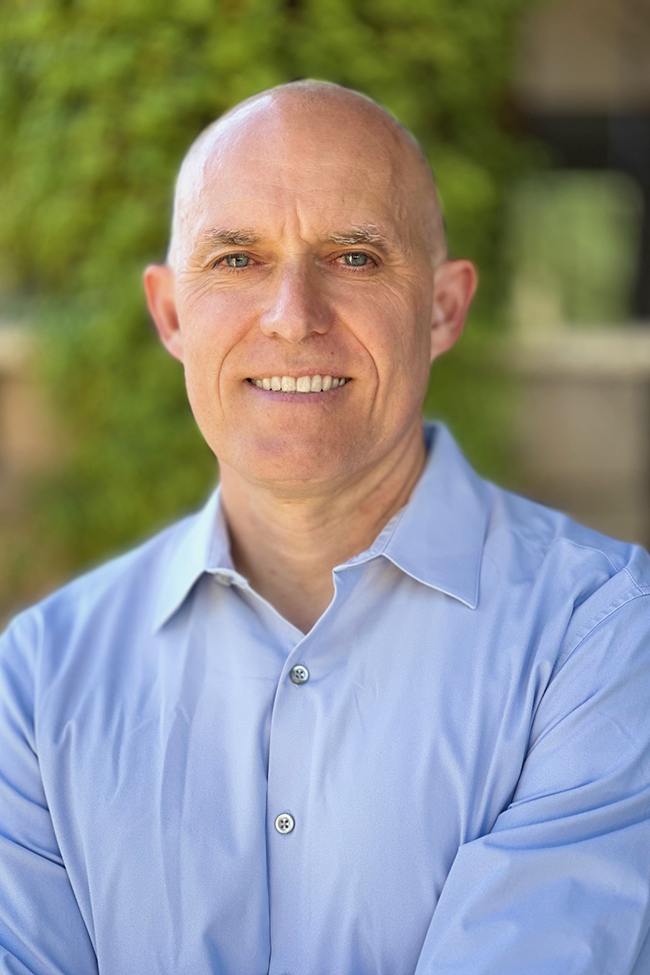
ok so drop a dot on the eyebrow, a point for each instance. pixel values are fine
(229, 237)
(366, 234)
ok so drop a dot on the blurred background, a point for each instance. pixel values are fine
(535, 115)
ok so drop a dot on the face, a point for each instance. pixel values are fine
(302, 263)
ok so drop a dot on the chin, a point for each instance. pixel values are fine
(292, 463)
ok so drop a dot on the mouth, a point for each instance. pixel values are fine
(299, 384)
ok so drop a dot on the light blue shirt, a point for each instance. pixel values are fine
(467, 766)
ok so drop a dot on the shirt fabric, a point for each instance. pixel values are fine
(467, 765)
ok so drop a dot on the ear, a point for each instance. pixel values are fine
(158, 282)
(453, 289)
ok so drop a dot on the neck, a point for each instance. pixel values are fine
(287, 547)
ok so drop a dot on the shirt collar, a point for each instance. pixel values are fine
(202, 546)
(437, 538)
(439, 535)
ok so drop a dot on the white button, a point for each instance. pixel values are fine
(223, 579)
(299, 674)
(284, 823)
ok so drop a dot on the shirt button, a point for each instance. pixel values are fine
(299, 674)
(284, 823)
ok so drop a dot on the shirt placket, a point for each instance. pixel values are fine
(292, 807)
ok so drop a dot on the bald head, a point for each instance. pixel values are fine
(313, 120)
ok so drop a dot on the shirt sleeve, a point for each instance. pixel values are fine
(561, 884)
(42, 931)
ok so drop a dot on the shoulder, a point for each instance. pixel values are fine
(124, 587)
(540, 529)
(562, 562)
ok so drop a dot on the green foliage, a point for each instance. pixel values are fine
(99, 99)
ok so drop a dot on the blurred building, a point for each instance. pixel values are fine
(580, 238)
(583, 87)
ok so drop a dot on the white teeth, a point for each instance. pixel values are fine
(303, 384)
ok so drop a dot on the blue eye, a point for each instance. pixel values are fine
(237, 260)
(355, 259)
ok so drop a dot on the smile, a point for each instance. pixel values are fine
(300, 384)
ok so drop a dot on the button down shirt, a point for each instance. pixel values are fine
(466, 766)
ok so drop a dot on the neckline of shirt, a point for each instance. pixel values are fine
(436, 538)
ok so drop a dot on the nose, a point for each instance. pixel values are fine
(297, 306)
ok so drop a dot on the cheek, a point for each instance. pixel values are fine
(212, 325)
(395, 332)
(208, 326)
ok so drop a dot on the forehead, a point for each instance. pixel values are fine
(314, 172)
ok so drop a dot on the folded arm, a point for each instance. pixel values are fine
(561, 884)
(42, 931)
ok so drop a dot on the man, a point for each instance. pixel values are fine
(365, 714)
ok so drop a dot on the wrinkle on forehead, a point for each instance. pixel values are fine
(305, 122)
